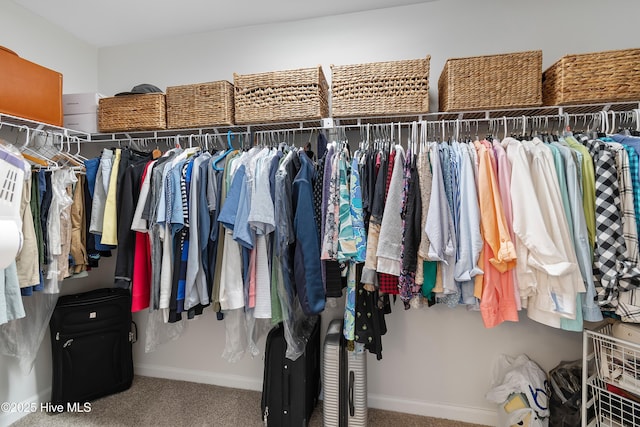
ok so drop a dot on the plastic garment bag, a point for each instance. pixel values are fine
(158, 332)
(22, 338)
(521, 390)
(235, 335)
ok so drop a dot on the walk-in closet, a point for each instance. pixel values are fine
(448, 229)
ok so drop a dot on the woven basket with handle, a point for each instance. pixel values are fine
(380, 88)
(281, 96)
(132, 113)
(511, 80)
(593, 77)
(201, 104)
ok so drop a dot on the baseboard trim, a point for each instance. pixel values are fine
(378, 401)
(8, 418)
(197, 376)
(436, 410)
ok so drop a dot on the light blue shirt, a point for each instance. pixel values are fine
(262, 214)
(242, 232)
(439, 225)
(590, 310)
(469, 237)
(229, 209)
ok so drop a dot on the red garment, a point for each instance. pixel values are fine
(141, 280)
(389, 282)
(392, 158)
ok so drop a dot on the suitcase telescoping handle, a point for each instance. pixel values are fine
(352, 408)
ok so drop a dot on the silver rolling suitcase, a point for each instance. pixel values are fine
(344, 378)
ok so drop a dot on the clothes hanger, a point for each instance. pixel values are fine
(27, 153)
(63, 156)
(223, 155)
(603, 124)
(206, 141)
(636, 119)
(504, 122)
(74, 158)
(31, 155)
(77, 154)
(156, 153)
(414, 137)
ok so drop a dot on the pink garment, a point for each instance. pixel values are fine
(141, 280)
(504, 184)
(497, 303)
(252, 278)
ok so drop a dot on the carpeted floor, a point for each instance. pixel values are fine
(161, 402)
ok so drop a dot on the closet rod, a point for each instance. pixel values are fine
(575, 112)
(589, 119)
(154, 136)
(536, 121)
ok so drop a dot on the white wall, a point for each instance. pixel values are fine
(38, 41)
(436, 361)
(443, 29)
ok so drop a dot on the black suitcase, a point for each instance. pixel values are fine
(91, 345)
(290, 388)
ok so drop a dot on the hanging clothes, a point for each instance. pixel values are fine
(439, 227)
(196, 292)
(130, 192)
(307, 248)
(469, 237)
(426, 270)
(388, 282)
(411, 215)
(609, 239)
(493, 225)
(497, 303)
(11, 307)
(141, 280)
(369, 275)
(78, 251)
(27, 268)
(551, 256)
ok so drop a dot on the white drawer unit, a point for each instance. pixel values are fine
(611, 376)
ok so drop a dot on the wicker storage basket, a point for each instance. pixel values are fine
(380, 88)
(198, 105)
(281, 96)
(132, 112)
(511, 80)
(593, 77)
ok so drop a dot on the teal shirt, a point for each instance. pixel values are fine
(590, 310)
(562, 180)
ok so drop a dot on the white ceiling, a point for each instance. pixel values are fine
(114, 22)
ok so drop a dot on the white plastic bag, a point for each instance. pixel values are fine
(520, 375)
